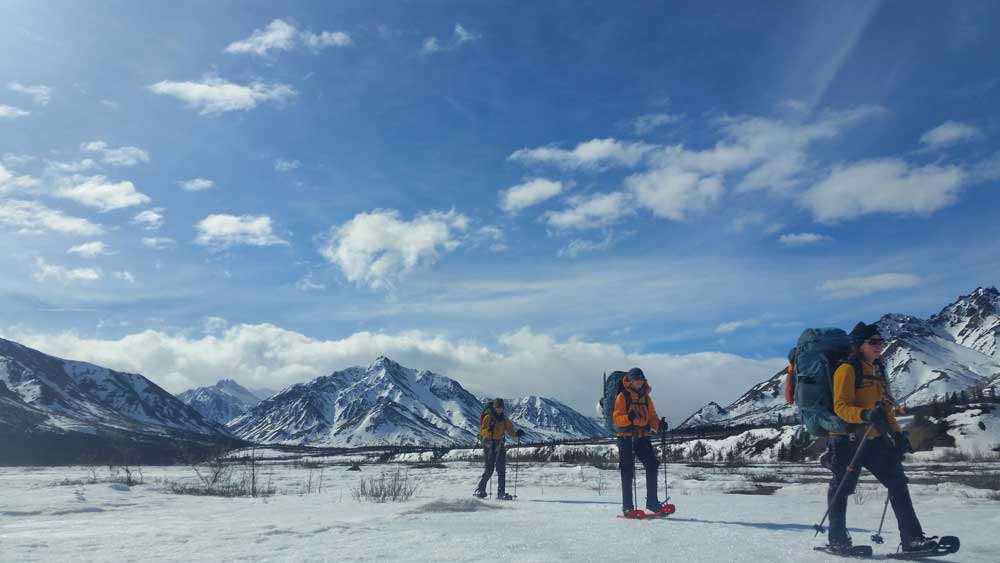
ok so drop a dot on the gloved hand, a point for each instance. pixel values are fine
(902, 441)
(663, 425)
(519, 432)
(874, 416)
(633, 416)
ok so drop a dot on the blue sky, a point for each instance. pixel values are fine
(515, 195)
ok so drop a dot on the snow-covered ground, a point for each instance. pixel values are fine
(561, 515)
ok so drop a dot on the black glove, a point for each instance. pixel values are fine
(519, 433)
(902, 442)
(633, 416)
(874, 416)
(663, 425)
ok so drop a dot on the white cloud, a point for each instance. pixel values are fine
(673, 193)
(99, 193)
(309, 284)
(733, 326)
(280, 35)
(949, 133)
(150, 219)
(39, 93)
(592, 154)
(861, 286)
(888, 185)
(196, 184)
(588, 212)
(75, 167)
(158, 243)
(460, 36)
(124, 275)
(213, 95)
(11, 183)
(30, 217)
(267, 355)
(802, 239)
(122, 156)
(647, 123)
(11, 112)
(91, 249)
(45, 271)
(748, 219)
(531, 192)
(224, 231)
(282, 165)
(577, 247)
(376, 248)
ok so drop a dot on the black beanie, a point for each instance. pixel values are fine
(635, 373)
(862, 332)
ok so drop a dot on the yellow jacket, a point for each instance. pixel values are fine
(497, 429)
(639, 403)
(850, 400)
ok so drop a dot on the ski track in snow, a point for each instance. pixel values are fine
(558, 517)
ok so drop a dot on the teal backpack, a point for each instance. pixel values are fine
(612, 386)
(816, 356)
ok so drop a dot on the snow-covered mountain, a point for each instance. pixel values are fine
(953, 351)
(387, 403)
(223, 401)
(40, 393)
(545, 419)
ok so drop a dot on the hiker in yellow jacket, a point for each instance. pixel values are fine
(492, 428)
(861, 397)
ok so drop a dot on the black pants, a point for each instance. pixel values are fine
(495, 456)
(886, 465)
(644, 451)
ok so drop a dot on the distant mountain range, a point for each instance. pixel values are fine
(953, 351)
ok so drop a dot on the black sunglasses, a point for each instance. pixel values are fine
(876, 341)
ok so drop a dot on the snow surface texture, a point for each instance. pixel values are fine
(953, 351)
(559, 516)
(388, 404)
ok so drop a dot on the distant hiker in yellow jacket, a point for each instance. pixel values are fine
(492, 429)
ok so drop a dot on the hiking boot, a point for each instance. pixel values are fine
(842, 547)
(920, 543)
(479, 494)
(654, 506)
(504, 496)
(824, 460)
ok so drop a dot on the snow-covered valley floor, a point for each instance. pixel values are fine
(560, 516)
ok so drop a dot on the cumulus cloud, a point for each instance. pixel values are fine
(196, 184)
(42, 95)
(213, 95)
(376, 248)
(280, 35)
(592, 154)
(10, 183)
(158, 243)
(45, 271)
(31, 217)
(861, 286)
(588, 212)
(125, 276)
(150, 219)
(11, 112)
(99, 193)
(267, 355)
(282, 165)
(647, 123)
(122, 156)
(90, 249)
(888, 185)
(224, 231)
(802, 239)
(529, 193)
(673, 192)
(949, 133)
(460, 36)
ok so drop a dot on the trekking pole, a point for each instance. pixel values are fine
(635, 470)
(663, 457)
(850, 469)
(877, 538)
(516, 458)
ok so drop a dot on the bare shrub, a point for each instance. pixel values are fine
(394, 486)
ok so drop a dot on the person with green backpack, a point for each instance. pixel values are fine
(493, 427)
